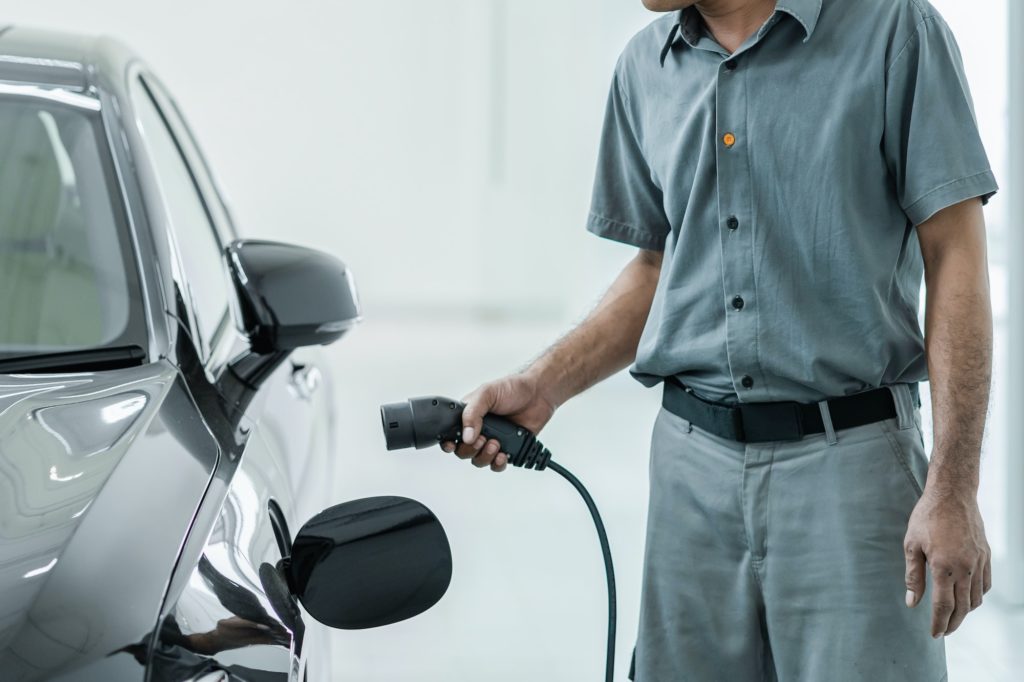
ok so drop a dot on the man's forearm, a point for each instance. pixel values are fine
(607, 339)
(958, 340)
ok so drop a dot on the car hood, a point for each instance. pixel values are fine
(62, 440)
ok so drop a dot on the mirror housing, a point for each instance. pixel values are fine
(290, 296)
(369, 562)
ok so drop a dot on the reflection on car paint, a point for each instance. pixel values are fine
(235, 597)
(56, 454)
(214, 616)
(90, 428)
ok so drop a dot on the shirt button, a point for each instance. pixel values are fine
(747, 381)
(732, 222)
(730, 65)
(729, 139)
(737, 302)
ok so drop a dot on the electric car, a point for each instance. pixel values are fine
(164, 421)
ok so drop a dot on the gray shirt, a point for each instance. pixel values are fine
(784, 183)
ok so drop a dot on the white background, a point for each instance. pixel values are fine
(445, 150)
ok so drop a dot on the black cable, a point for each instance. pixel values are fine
(429, 420)
(609, 670)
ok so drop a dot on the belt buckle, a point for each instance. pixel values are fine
(763, 422)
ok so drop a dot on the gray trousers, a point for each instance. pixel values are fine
(784, 560)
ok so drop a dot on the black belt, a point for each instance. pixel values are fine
(763, 422)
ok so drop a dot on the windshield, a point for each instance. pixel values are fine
(67, 279)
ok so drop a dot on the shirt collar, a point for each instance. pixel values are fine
(689, 29)
(804, 11)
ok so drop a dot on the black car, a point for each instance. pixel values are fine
(163, 421)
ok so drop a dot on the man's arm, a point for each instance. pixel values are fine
(601, 345)
(946, 528)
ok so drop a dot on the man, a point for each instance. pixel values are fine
(789, 170)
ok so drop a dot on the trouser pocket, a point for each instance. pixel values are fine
(907, 446)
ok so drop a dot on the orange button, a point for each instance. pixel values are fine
(729, 139)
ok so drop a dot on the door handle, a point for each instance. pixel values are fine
(305, 379)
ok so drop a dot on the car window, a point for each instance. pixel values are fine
(208, 187)
(67, 276)
(197, 243)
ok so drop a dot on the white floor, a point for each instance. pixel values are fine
(527, 599)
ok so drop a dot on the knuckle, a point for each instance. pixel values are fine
(943, 606)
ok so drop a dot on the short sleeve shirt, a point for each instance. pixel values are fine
(784, 183)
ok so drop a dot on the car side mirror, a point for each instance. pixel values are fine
(369, 562)
(290, 296)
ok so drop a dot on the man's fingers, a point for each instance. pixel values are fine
(915, 575)
(962, 592)
(943, 599)
(977, 586)
(500, 462)
(478, 404)
(487, 454)
(467, 450)
(986, 573)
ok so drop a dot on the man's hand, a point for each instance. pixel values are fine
(601, 345)
(947, 532)
(518, 397)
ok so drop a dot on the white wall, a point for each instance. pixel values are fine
(444, 149)
(1014, 375)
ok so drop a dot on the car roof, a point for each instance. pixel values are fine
(73, 61)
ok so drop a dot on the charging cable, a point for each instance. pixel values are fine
(427, 421)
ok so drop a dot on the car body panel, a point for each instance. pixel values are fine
(233, 615)
(82, 578)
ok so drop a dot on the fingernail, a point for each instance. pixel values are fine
(468, 435)
(910, 597)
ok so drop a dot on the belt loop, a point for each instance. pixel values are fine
(826, 419)
(905, 407)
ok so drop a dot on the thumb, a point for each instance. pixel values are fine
(915, 576)
(478, 404)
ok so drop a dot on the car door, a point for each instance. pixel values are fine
(225, 617)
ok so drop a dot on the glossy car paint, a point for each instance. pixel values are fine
(377, 543)
(132, 500)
